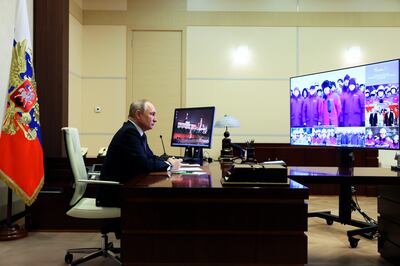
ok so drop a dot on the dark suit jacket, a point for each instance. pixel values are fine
(128, 156)
(388, 120)
(373, 119)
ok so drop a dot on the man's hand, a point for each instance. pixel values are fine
(175, 163)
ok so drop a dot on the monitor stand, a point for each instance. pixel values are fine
(193, 155)
(346, 160)
(366, 229)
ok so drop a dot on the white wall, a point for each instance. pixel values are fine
(97, 78)
(103, 84)
(257, 94)
(75, 73)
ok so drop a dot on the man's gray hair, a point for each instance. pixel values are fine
(139, 105)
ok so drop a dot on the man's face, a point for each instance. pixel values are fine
(147, 118)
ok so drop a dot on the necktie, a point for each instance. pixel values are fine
(144, 141)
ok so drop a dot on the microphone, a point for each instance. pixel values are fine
(162, 142)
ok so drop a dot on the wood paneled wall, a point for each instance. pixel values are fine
(51, 28)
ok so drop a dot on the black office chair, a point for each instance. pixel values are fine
(85, 208)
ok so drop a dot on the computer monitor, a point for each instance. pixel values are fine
(193, 129)
(355, 107)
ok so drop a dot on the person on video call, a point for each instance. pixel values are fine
(331, 105)
(311, 113)
(129, 154)
(353, 106)
(296, 107)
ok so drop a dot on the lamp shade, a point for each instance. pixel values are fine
(227, 121)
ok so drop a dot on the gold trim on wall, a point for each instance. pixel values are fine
(157, 18)
(76, 11)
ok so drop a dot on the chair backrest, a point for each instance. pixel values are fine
(73, 145)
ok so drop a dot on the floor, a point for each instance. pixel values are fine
(327, 245)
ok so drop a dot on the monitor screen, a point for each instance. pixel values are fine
(351, 107)
(193, 127)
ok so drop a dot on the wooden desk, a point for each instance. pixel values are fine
(193, 220)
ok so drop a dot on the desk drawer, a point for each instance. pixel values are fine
(222, 248)
(389, 209)
(389, 230)
(184, 214)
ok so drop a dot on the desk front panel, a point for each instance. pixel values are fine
(389, 222)
(186, 220)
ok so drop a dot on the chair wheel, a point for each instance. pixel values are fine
(353, 242)
(68, 258)
(329, 221)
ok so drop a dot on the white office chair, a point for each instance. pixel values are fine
(85, 208)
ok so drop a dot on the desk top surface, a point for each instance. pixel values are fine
(210, 178)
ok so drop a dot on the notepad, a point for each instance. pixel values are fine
(278, 162)
(189, 173)
(190, 165)
(188, 169)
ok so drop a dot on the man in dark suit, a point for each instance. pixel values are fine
(129, 154)
(388, 119)
(373, 119)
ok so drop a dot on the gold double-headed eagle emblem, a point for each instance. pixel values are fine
(22, 97)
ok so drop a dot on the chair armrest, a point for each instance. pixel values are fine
(98, 182)
(94, 173)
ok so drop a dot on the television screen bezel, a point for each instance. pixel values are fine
(211, 124)
(339, 69)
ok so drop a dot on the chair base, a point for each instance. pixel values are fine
(106, 251)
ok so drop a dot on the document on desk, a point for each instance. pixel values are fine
(189, 171)
(190, 165)
(278, 162)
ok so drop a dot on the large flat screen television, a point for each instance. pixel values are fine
(355, 107)
(193, 129)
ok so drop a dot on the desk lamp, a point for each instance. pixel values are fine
(225, 122)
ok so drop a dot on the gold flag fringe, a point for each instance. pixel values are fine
(19, 192)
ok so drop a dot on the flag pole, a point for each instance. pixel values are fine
(10, 231)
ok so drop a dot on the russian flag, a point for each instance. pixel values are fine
(21, 154)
